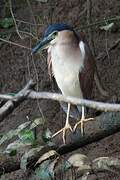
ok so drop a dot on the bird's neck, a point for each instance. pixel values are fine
(66, 49)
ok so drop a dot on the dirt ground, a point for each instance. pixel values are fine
(17, 66)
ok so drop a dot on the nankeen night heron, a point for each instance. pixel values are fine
(73, 66)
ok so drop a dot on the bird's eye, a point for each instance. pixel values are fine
(54, 34)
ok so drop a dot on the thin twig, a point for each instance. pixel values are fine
(26, 22)
(29, 33)
(13, 43)
(37, 79)
(106, 44)
(31, 11)
(89, 9)
(13, 31)
(36, 73)
(100, 23)
(14, 19)
(89, 21)
(104, 55)
(28, 66)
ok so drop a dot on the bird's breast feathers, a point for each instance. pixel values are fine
(66, 68)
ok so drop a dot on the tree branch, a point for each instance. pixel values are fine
(27, 93)
(107, 126)
(10, 105)
(88, 103)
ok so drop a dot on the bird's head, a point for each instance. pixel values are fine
(50, 36)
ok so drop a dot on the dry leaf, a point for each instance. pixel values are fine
(46, 156)
(79, 160)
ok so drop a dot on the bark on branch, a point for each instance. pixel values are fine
(105, 127)
(15, 101)
(28, 93)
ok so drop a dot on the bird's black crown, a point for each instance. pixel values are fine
(57, 27)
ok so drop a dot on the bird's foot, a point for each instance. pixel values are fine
(67, 126)
(81, 123)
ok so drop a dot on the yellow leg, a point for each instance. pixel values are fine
(67, 126)
(82, 120)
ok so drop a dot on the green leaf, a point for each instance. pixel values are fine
(26, 136)
(13, 133)
(1, 135)
(30, 153)
(107, 27)
(6, 23)
(36, 122)
(13, 152)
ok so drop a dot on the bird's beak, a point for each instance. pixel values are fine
(42, 44)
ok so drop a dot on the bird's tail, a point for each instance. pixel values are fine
(75, 111)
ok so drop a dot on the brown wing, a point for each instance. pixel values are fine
(86, 76)
(54, 85)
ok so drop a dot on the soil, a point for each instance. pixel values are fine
(17, 66)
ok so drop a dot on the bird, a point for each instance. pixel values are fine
(73, 67)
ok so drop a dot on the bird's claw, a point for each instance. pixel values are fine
(81, 122)
(67, 126)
